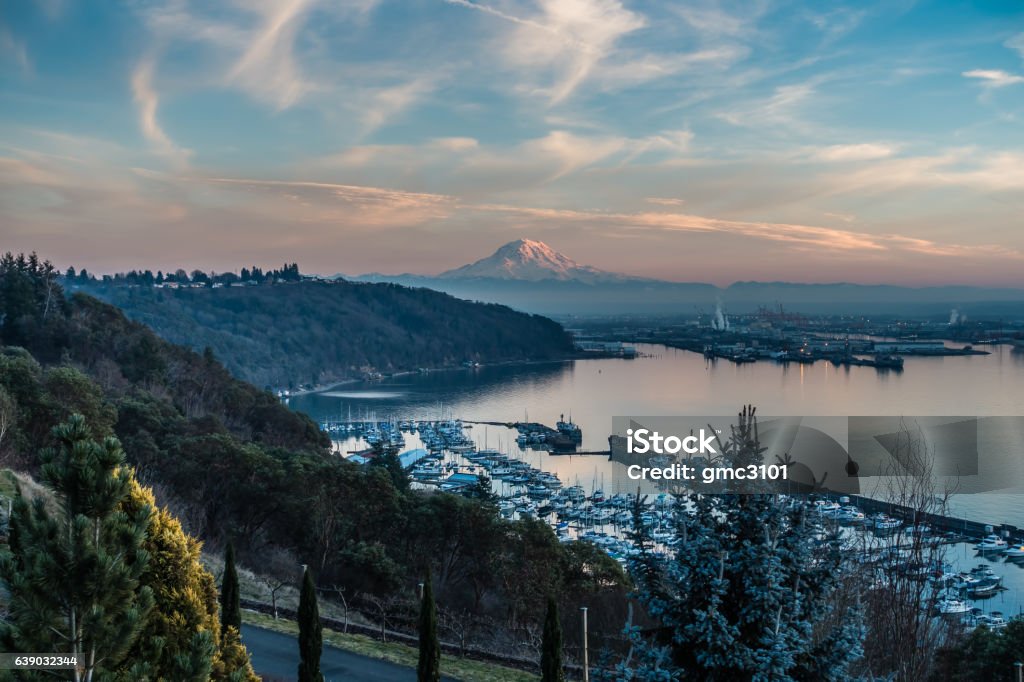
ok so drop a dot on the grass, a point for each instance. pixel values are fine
(254, 588)
(463, 669)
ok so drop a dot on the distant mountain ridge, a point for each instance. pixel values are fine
(531, 276)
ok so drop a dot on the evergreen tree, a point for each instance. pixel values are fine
(310, 632)
(182, 639)
(230, 608)
(429, 667)
(74, 571)
(194, 663)
(746, 595)
(551, 646)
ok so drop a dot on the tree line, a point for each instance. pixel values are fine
(289, 272)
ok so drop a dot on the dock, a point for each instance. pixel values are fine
(949, 524)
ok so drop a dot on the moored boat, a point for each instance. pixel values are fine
(883, 522)
(992, 544)
(1015, 551)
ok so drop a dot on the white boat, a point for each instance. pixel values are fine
(850, 514)
(992, 543)
(949, 605)
(1015, 551)
(883, 522)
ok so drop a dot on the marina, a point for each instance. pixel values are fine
(579, 496)
(868, 531)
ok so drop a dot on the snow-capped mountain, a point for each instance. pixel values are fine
(530, 261)
(531, 276)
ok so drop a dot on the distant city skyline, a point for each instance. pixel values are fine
(711, 141)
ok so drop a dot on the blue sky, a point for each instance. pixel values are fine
(713, 141)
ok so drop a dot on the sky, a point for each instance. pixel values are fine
(695, 141)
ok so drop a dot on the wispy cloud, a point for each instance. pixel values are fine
(781, 109)
(268, 69)
(854, 152)
(712, 20)
(963, 168)
(147, 100)
(547, 158)
(838, 22)
(994, 78)
(569, 39)
(384, 104)
(845, 217)
(323, 204)
(665, 201)
(796, 236)
(1016, 43)
(15, 48)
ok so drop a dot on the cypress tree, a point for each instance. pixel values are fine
(310, 632)
(73, 572)
(429, 667)
(551, 646)
(230, 608)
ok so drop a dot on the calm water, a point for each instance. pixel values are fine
(666, 381)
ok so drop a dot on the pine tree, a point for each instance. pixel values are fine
(230, 608)
(551, 646)
(74, 571)
(310, 632)
(429, 667)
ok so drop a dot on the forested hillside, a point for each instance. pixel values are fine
(233, 464)
(290, 334)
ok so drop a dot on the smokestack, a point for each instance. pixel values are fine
(954, 317)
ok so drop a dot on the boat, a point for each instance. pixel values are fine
(549, 480)
(951, 605)
(569, 429)
(575, 493)
(823, 506)
(1015, 551)
(850, 514)
(985, 587)
(888, 361)
(883, 522)
(992, 544)
(538, 490)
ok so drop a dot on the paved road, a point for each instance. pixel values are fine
(276, 657)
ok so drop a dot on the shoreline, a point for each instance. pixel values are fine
(320, 388)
